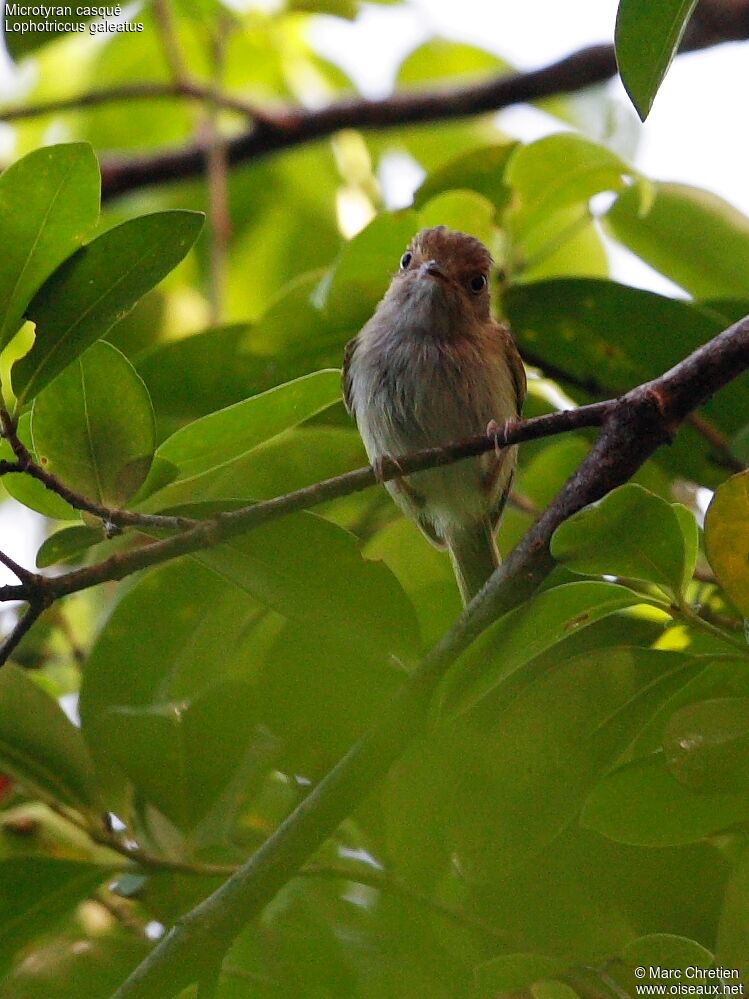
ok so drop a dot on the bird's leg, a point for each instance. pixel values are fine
(493, 430)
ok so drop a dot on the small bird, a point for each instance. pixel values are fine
(430, 367)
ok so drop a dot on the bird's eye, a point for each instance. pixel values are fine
(406, 260)
(477, 283)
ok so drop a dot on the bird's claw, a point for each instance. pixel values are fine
(383, 464)
(494, 431)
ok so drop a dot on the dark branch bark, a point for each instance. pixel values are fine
(634, 427)
(272, 131)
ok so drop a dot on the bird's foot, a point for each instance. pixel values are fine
(383, 464)
(494, 431)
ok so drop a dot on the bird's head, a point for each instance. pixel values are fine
(444, 266)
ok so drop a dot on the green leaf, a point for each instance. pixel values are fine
(208, 445)
(31, 492)
(666, 950)
(39, 747)
(311, 570)
(526, 632)
(630, 532)
(600, 339)
(481, 170)
(513, 972)
(650, 959)
(49, 201)
(726, 534)
(158, 647)
(647, 36)
(692, 236)
(643, 805)
(707, 745)
(549, 989)
(181, 755)
(22, 41)
(444, 59)
(362, 272)
(93, 426)
(65, 545)
(465, 211)
(556, 172)
(513, 773)
(35, 893)
(733, 928)
(96, 287)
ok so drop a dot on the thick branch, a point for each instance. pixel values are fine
(634, 428)
(285, 129)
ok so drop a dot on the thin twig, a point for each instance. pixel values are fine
(167, 31)
(217, 182)
(109, 515)
(22, 626)
(209, 532)
(189, 89)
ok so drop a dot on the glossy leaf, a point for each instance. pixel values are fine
(331, 587)
(93, 426)
(96, 287)
(208, 445)
(514, 972)
(526, 632)
(630, 532)
(601, 338)
(647, 37)
(31, 492)
(481, 170)
(726, 534)
(465, 211)
(66, 544)
(692, 236)
(362, 272)
(558, 171)
(643, 805)
(665, 950)
(42, 750)
(707, 745)
(503, 781)
(58, 189)
(180, 756)
(189, 611)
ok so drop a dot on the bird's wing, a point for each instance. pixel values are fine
(517, 370)
(346, 380)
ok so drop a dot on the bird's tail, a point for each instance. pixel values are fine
(474, 555)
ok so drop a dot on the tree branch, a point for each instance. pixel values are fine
(274, 130)
(204, 533)
(190, 89)
(111, 516)
(634, 427)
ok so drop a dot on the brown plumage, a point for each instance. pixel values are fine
(431, 366)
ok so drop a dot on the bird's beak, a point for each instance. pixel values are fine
(432, 269)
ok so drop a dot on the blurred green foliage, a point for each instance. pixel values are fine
(580, 803)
